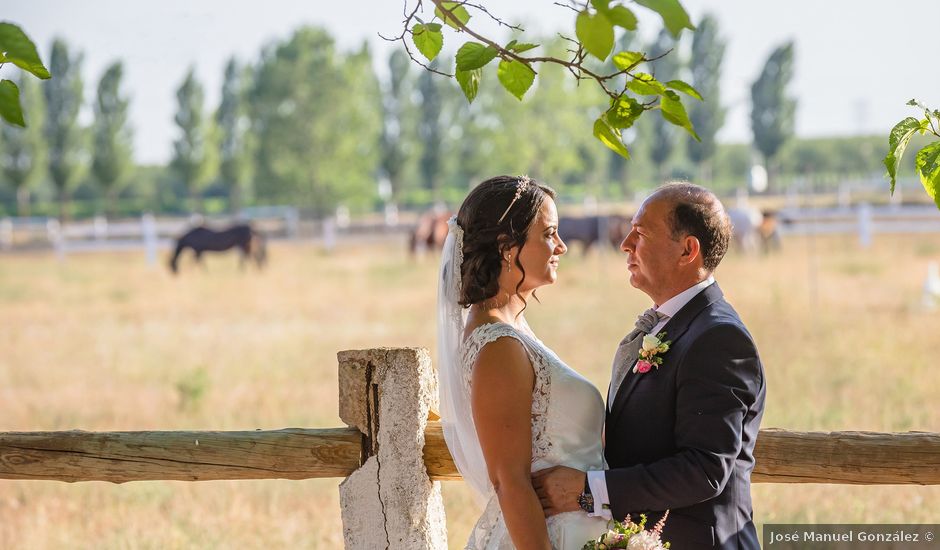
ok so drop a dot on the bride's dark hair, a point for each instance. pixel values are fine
(486, 237)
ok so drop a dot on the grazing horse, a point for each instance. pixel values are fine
(430, 233)
(589, 230)
(745, 233)
(202, 239)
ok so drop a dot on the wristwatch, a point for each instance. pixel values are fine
(586, 499)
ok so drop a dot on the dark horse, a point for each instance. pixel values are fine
(202, 239)
(591, 230)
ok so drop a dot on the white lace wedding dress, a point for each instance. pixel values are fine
(567, 421)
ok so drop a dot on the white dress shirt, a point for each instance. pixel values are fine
(597, 480)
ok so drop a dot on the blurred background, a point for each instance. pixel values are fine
(344, 157)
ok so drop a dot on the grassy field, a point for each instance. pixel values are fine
(101, 342)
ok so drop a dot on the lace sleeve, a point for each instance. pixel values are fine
(541, 393)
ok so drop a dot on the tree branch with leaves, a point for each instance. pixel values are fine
(595, 26)
(927, 161)
(17, 48)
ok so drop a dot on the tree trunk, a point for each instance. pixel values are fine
(771, 175)
(623, 180)
(64, 200)
(110, 210)
(661, 172)
(234, 199)
(193, 203)
(22, 202)
(705, 174)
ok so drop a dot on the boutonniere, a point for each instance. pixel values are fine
(651, 352)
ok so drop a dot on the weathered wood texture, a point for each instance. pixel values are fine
(183, 456)
(436, 456)
(855, 458)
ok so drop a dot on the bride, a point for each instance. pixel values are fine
(509, 405)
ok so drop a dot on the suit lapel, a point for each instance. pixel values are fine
(675, 327)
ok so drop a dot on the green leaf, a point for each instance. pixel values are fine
(519, 48)
(515, 76)
(474, 55)
(428, 41)
(469, 82)
(20, 50)
(595, 33)
(897, 141)
(622, 17)
(674, 15)
(685, 88)
(928, 165)
(645, 84)
(610, 137)
(916, 103)
(674, 112)
(10, 108)
(455, 10)
(623, 112)
(627, 60)
(601, 5)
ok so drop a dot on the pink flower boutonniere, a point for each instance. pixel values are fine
(651, 352)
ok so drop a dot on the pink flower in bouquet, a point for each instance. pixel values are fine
(611, 539)
(642, 366)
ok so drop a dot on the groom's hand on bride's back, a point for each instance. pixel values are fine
(558, 489)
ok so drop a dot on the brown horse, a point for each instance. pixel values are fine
(202, 239)
(430, 233)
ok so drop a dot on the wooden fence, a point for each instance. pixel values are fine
(392, 453)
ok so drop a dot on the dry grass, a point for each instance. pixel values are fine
(101, 342)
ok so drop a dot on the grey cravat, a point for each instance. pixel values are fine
(629, 349)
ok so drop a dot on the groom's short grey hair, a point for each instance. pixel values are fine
(697, 212)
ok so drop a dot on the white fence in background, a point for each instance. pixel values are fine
(147, 233)
(864, 220)
(150, 233)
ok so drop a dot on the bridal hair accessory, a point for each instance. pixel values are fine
(521, 186)
(651, 352)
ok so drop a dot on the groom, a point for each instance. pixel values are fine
(679, 437)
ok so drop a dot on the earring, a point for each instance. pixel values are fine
(509, 263)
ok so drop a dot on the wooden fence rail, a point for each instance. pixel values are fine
(392, 454)
(782, 456)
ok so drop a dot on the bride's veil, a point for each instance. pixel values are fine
(456, 415)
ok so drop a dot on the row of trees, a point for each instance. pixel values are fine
(310, 125)
(53, 148)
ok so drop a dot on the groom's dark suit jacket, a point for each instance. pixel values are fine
(682, 437)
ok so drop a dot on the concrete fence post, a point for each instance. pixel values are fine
(56, 237)
(100, 228)
(390, 502)
(391, 214)
(292, 223)
(865, 225)
(329, 234)
(6, 234)
(148, 230)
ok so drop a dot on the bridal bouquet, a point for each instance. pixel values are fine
(629, 535)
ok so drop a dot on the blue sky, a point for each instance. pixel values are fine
(858, 61)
